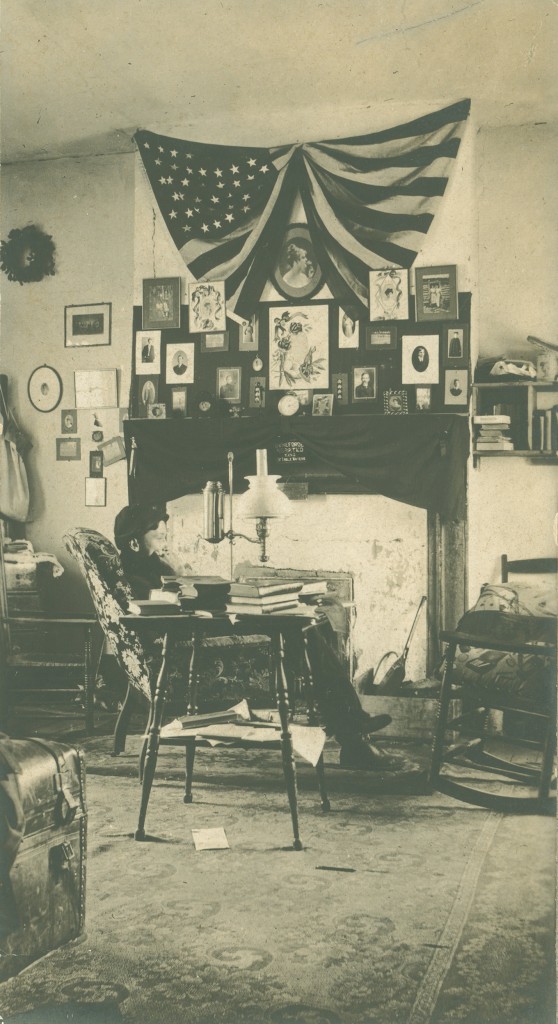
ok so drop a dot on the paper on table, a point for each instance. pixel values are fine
(210, 839)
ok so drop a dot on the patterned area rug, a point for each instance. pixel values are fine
(401, 909)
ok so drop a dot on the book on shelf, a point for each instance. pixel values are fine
(265, 600)
(492, 419)
(259, 588)
(259, 609)
(149, 607)
(494, 446)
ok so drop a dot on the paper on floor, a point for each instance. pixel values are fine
(210, 839)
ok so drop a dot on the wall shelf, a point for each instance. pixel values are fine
(533, 410)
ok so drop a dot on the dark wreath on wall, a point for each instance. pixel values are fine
(28, 255)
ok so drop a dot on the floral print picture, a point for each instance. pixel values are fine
(298, 347)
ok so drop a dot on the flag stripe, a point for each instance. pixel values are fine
(429, 122)
(347, 207)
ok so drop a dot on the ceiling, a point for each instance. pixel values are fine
(79, 78)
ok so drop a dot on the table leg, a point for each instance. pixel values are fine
(156, 719)
(289, 769)
(312, 718)
(192, 704)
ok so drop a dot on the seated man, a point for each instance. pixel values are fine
(140, 533)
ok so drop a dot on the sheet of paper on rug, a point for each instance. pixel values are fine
(210, 839)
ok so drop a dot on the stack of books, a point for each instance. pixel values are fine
(492, 433)
(258, 597)
(545, 430)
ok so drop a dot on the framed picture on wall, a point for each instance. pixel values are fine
(365, 383)
(456, 387)
(68, 449)
(298, 346)
(85, 326)
(389, 294)
(96, 389)
(216, 342)
(348, 331)
(297, 273)
(228, 383)
(420, 356)
(455, 346)
(161, 303)
(206, 306)
(68, 421)
(180, 363)
(147, 392)
(436, 293)
(383, 337)
(95, 491)
(248, 335)
(148, 352)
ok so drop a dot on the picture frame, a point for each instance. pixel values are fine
(297, 273)
(420, 359)
(229, 380)
(44, 388)
(113, 450)
(455, 346)
(396, 402)
(388, 296)
(95, 491)
(218, 341)
(87, 326)
(96, 461)
(364, 384)
(178, 402)
(68, 421)
(248, 335)
(436, 293)
(179, 363)
(161, 303)
(322, 405)
(423, 398)
(147, 394)
(456, 387)
(257, 393)
(380, 338)
(148, 352)
(68, 449)
(157, 411)
(206, 307)
(348, 330)
(96, 389)
(298, 346)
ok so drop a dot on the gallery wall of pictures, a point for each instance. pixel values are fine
(304, 355)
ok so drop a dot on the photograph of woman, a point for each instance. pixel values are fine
(297, 274)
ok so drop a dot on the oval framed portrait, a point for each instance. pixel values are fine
(44, 388)
(297, 274)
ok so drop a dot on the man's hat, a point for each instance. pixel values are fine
(136, 520)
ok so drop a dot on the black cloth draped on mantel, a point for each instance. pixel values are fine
(419, 460)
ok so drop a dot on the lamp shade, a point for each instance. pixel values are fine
(263, 500)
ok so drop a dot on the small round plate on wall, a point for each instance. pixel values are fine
(44, 388)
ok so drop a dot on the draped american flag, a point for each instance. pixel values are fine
(368, 200)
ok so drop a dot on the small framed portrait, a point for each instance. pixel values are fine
(365, 383)
(348, 334)
(85, 326)
(420, 359)
(455, 346)
(178, 402)
(161, 303)
(68, 449)
(95, 491)
(148, 352)
(423, 399)
(257, 393)
(147, 393)
(456, 387)
(436, 293)
(95, 463)
(180, 363)
(383, 337)
(389, 294)
(297, 273)
(228, 383)
(396, 402)
(157, 411)
(248, 335)
(322, 405)
(217, 342)
(206, 306)
(113, 450)
(68, 421)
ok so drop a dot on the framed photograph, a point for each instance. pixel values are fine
(148, 352)
(322, 405)
(180, 363)
(455, 346)
(95, 491)
(456, 387)
(157, 411)
(348, 333)
(423, 399)
(96, 389)
(85, 326)
(44, 388)
(148, 391)
(248, 335)
(95, 463)
(256, 393)
(217, 342)
(113, 450)
(68, 421)
(68, 449)
(161, 303)
(436, 293)
(420, 359)
(297, 273)
(206, 306)
(380, 337)
(395, 402)
(298, 346)
(228, 383)
(178, 402)
(365, 383)
(389, 294)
